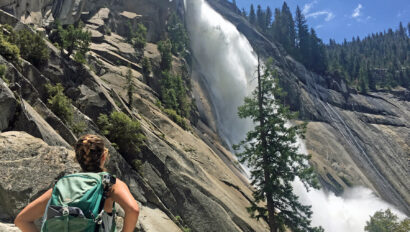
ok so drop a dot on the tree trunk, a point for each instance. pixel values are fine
(271, 209)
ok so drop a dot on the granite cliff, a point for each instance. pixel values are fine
(188, 178)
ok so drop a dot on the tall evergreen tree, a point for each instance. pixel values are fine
(275, 31)
(130, 87)
(260, 18)
(288, 29)
(270, 151)
(268, 18)
(302, 36)
(244, 14)
(252, 15)
(317, 58)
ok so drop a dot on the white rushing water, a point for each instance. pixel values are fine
(228, 63)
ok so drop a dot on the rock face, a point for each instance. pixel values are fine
(28, 167)
(354, 139)
(186, 180)
(7, 105)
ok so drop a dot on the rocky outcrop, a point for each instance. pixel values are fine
(28, 167)
(183, 182)
(8, 105)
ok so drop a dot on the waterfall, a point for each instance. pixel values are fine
(228, 63)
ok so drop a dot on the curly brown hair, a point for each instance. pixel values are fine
(89, 150)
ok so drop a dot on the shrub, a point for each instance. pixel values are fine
(173, 93)
(165, 48)
(182, 122)
(178, 35)
(3, 70)
(32, 47)
(59, 103)
(78, 128)
(73, 39)
(137, 38)
(386, 221)
(137, 164)
(9, 51)
(122, 130)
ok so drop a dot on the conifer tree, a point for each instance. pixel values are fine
(130, 87)
(244, 14)
(252, 15)
(288, 29)
(260, 18)
(270, 152)
(268, 18)
(302, 36)
(275, 31)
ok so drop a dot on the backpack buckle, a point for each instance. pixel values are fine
(66, 211)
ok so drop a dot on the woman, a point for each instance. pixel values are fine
(91, 154)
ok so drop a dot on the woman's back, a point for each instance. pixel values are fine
(91, 155)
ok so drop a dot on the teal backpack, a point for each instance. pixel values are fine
(77, 203)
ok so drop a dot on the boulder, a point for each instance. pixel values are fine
(28, 167)
(6, 227)
(100, 17)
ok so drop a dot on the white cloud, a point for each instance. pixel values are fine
(356, 11)
(308, 6)
(329, 15)
(318, 26)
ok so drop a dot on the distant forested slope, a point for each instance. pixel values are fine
(378, 61)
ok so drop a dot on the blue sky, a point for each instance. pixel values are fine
(339, 19)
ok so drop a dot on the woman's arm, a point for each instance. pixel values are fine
(33, 211)
(122, 195)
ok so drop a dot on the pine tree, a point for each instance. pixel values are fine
(275, 31)
(288, 29)
(317, 58)
(130, 87)
(252, 15)
(270, 152)
(268, 18)
(244, 14)
(302, 36)
(260, 18)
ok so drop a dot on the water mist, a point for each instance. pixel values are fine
(228, 64)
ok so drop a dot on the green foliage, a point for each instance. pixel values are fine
(73, 38)
(8, 50)
(379, 60)
(173, 94)
(130, 87)
(32, 47)
(137, 37)
(59, 103)
(178, 219)
(3, 71)
(146, 67)
(165, 48)
(182, 122)
(270, 152)
(177, 35)
(78, 127)
(293, 34)
(386, 221)
(137, 164)
(122, 130)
